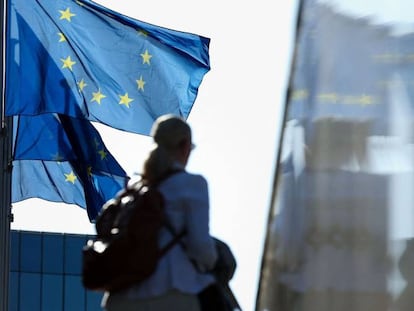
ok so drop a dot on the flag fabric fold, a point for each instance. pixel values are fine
(340, 228)
(70, 63)
(62, 159)
(83, 60)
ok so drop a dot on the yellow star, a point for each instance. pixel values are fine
(97, 96)
(102, 153)
(81, 85)
(66, 14)
(89, 170)
(410, 57)
(328, 97)
(387, 57)
(62, 37)
(71, 177)
(67, 63)
(140, 83)
(146, 57)
(365, 100)
(142, 32)
(125, 100)
(299, 94)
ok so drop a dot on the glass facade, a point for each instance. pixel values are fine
(45, 273)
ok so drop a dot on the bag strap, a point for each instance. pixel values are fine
(176, 237)
(166, 175)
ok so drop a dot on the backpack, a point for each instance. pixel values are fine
(125, 249)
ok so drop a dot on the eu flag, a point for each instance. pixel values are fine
(340, 226)
(62, 159)
(83, 60)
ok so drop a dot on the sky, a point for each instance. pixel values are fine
(235, 122)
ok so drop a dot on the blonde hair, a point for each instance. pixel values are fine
(170, 133)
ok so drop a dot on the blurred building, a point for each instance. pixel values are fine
(45, 273)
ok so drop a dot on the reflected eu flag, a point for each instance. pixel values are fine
(62, 159)
(80, 59)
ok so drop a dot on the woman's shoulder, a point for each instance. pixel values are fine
(191, 179)
(191, 176)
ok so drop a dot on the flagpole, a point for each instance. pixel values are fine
(266, 248)
(5, 176)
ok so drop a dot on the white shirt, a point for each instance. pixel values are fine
(187, 207)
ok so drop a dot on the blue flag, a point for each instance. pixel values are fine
(85, 61)
(63, 159)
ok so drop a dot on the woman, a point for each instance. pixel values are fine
(180, 274)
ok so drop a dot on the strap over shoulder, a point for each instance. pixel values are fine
(168, 174)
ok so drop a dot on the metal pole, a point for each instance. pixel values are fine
(5, 174)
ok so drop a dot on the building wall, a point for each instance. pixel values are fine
(45, 273)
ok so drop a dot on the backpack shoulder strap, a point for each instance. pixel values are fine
(167, 175)
(176, 239)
